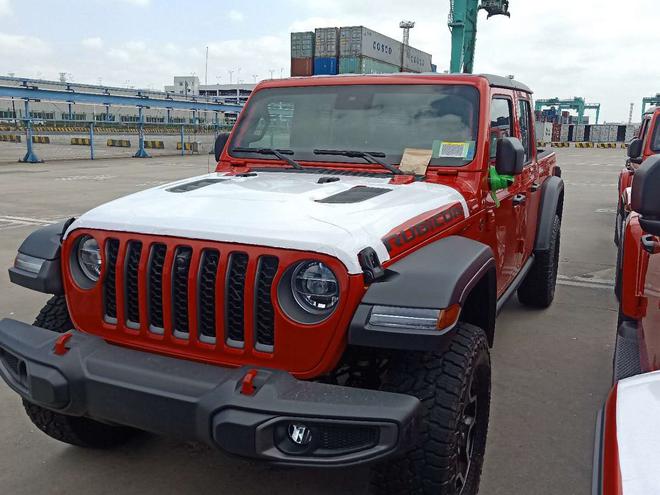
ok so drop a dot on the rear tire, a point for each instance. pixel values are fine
(454, 388)
(538, 288)
(79, 431)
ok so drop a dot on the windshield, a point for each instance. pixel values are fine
(372, 118)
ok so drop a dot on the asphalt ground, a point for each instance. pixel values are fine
(552, 369)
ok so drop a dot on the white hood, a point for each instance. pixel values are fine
(276, 209)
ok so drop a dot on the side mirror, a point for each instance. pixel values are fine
(635, 148)
(510, 157)
(220, 143)
(646, 195)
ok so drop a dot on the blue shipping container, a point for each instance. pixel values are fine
(325, 66)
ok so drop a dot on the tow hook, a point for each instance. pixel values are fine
(60, 347)
(247, 384)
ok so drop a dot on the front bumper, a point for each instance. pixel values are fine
(206, 403)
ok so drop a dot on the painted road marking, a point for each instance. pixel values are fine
(11, 221)
(87, 177)
(586, 282)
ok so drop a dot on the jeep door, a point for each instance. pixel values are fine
(527, 200)
(649, 273)
(507, 216)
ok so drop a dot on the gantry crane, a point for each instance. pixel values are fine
(463, 15)
(653, 101)
(578, 104)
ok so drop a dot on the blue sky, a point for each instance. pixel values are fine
(562, 48)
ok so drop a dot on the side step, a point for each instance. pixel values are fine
(626, 352)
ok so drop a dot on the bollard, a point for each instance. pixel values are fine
(141, 152)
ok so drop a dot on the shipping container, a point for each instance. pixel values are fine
(326, 42)
(596, 133)
(365, 65)
(621, 134)
(434, 68)
(302, 45)
(579, 133)
(613, 133)
(416, 60)
(325, 66)
(358, 41)
(563, 136)
(556, 133)
(631, 132)
(302, 67)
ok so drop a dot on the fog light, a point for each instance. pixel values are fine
(300, 434)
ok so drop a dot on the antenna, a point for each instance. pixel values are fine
(630, 117)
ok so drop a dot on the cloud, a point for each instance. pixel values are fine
(25, 45)
(138, 3)
(5, 8)
(236, 16)
(94, 43)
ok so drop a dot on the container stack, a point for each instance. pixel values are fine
(326, 51)
(353, 50)
(302, 54)
(363, 51)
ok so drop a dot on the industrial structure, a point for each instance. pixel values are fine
(229, 93)
(578, 104)
(653, 101)
(72, 109)
(463, 17)
(27, 102)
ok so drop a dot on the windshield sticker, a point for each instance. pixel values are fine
(447, 149)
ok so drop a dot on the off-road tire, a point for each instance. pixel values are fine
(538, 288)
(82, 432)
(444, 383)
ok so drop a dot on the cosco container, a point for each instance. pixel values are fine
(365, 65)
(302, 45)
(302, 67)
(358, 41)
(326, 43)
(324, 66)
(416, 60)
(556, 133)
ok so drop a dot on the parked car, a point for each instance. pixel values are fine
(312, 302)
(645, 145)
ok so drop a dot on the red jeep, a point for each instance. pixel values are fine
(626, 458)
(646, 144)
(327, 297)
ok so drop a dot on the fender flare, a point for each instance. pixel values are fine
(552, 203)
(436, 276)
(44, 244)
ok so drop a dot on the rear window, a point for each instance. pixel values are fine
(371, 118)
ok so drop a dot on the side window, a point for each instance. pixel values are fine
(655, 143)
(501, 122)
(525, 114)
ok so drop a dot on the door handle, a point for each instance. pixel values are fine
(519, 199)
(650, 245)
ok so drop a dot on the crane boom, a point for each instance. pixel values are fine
(463, 16)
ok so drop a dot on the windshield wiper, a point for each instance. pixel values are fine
(281, 154)
(371, 157)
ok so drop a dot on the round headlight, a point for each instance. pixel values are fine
(89, 258)
(315, 287)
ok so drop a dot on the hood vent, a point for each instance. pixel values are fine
(192, 186)
(355, 194)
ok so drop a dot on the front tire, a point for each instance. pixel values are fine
(454, 388)
(79, 431)
(538, 288)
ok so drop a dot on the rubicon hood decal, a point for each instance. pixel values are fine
(422, 228)
(285, 210)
